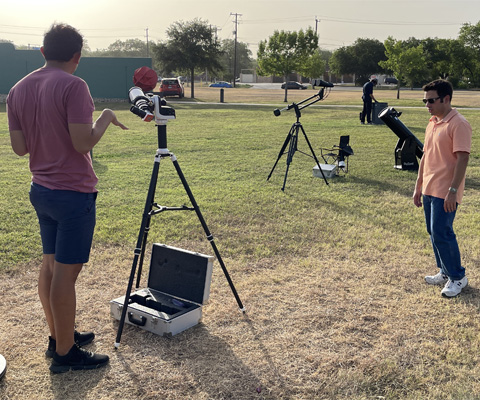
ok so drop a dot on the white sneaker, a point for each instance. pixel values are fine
(438, 279)
(453, 288)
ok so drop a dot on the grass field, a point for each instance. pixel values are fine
(331, 276)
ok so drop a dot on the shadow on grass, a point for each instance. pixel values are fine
(278, 378)
(374, 183)
(472, 183)
(208, 360)
(98, 167)
(470, 296)
(77, 384)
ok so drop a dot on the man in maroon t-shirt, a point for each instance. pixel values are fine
(50, 118)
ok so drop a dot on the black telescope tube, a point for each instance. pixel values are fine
(390, 117)
(319, 82)
(138, 111)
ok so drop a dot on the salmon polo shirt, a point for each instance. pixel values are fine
(443, 138)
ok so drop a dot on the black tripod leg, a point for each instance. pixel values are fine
(207, 232)
(291, 151)
(142, 254)
(140, 243)
(313, 154)
(282, 150)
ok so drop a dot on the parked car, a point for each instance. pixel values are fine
(391, 80)
(171, 87)
(293, 85)
(221, 84)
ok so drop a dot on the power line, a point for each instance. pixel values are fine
(373, 22)
(348, 21)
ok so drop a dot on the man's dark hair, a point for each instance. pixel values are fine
(61, 42)
(443, 88)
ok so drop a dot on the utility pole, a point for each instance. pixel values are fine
(215, 29)
(316, 25)
(235, 48)
(148, 51)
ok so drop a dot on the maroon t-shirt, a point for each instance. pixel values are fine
(42, 105)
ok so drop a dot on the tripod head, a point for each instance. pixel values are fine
(151, 107)
(148, 106)
(321, 95)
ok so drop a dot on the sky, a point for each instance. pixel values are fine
(338, 23)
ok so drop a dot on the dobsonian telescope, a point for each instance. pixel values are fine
(408, 147)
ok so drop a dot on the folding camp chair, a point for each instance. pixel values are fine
(338, 155)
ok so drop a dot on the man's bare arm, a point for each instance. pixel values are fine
(17, 140)
(86, 136)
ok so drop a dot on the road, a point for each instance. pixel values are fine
(277, 86)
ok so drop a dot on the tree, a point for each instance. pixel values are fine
(227, 59)
(362, 59)
(469, 37)
(446, 58)
(127, 48)
(326, 56)
(191, 46)
(367, 54)
(408, 64)
(314, 66)
(342, 61)
(286, 52)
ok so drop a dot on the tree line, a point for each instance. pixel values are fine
(191, 48)
(413, 61)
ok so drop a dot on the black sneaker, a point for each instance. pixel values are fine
(82, 339)
(77, 359)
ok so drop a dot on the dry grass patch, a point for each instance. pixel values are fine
(342, 326)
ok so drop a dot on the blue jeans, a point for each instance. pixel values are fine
(440, 228)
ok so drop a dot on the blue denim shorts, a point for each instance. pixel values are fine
(67, 222)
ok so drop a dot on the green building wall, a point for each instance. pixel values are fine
(107, 77)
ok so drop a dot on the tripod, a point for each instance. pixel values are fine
(151, 209)
(292, 137)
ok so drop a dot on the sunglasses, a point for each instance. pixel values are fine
(431, 101)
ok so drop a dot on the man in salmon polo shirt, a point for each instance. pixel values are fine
(441, 182)
(50, 118)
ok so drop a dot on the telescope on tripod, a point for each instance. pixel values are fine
(292, 136)
(151, 107)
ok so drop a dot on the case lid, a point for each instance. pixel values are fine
(180, 273)
(3, 366)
